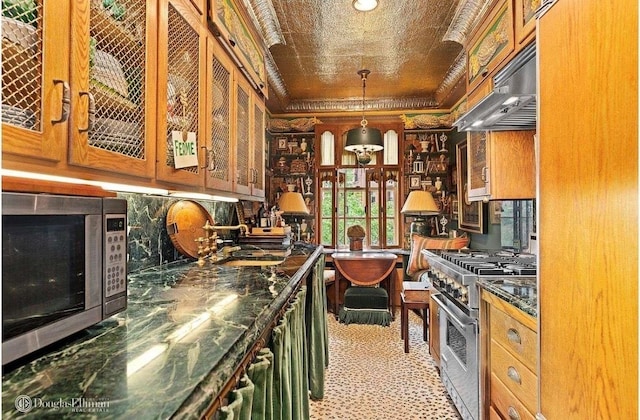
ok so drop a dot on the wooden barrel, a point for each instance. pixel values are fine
(185, 221)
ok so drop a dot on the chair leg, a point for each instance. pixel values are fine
(405, 327)
(425, 323)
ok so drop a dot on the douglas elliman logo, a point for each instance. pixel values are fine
(25, 403)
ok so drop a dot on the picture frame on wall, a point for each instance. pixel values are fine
(414, 182)
(282, 143)
(471, 214)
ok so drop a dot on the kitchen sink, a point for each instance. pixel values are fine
(250, 261)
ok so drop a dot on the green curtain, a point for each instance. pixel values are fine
(317, 331)
(290, 384)
(233, 409)
(277, 383)
(267, 354)
(299, 363)
(246, 388)
(258, 372)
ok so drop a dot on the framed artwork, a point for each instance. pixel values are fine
(471, 214)
(414, 182)
(454, 207)
(282, 143)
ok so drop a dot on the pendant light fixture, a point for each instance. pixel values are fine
(365, 5)
(363, 141)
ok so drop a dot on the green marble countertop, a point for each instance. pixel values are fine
(519, 292)
(100, 372)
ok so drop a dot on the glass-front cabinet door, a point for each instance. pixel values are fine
(36, 91)
(242, 133)
(181, 104)
(219, 154)
(113, 91)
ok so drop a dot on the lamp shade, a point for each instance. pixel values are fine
(364, 139)
(420, 203)
(292, 203)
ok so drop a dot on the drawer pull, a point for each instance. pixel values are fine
(513, 374)
(513, 413)
(514, 336)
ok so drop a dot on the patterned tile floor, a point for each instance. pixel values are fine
(370, 377)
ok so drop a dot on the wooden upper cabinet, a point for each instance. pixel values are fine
(35, 80)
(181, 87)
(243, 119)
(501, 165)
(490, 45)
(239, 38)
(258, 186)
(219, 162)
(113, 102)
(525, 20)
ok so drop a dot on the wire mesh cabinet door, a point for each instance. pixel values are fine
(35, 79)
(219, 159)
(181, 86)
(258, 149)
(243, 132)
(113, 97)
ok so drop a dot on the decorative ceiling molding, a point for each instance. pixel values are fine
(464, 20)
(349, 105)
(456, 72)
(264, 17)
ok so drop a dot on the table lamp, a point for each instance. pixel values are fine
(420, 203)
(292, 204)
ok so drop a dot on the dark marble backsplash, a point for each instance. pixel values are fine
(149, 242)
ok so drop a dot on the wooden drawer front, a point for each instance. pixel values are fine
(493, 415)
(520, 340)
(521, 381)
(505, 403)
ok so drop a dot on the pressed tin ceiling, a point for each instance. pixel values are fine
(414, 50)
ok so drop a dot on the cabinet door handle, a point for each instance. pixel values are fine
(513, 413)
(483, 175)
(514, 336)
(66, 101)
(513, 374)
(210, 161)
(91, 112)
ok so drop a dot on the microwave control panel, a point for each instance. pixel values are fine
(115, 258)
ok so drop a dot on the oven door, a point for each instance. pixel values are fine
(459, 353)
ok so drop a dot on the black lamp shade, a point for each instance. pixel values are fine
(364, 139)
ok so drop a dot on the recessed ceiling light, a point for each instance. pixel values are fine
(365, 5)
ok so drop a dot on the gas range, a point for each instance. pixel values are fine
(455, 273)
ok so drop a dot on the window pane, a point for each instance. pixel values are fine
(327, 147)
(516, 223)
(390, 148)
(326, 207)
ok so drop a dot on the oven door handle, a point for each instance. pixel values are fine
(448, 311)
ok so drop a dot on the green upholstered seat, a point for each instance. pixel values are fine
(366, 305)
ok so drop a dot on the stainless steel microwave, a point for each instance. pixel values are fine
(64, 267)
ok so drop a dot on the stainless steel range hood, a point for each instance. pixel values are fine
(512, 104)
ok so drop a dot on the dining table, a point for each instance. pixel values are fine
(365, 269)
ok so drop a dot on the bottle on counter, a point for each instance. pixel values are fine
(263, 216)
